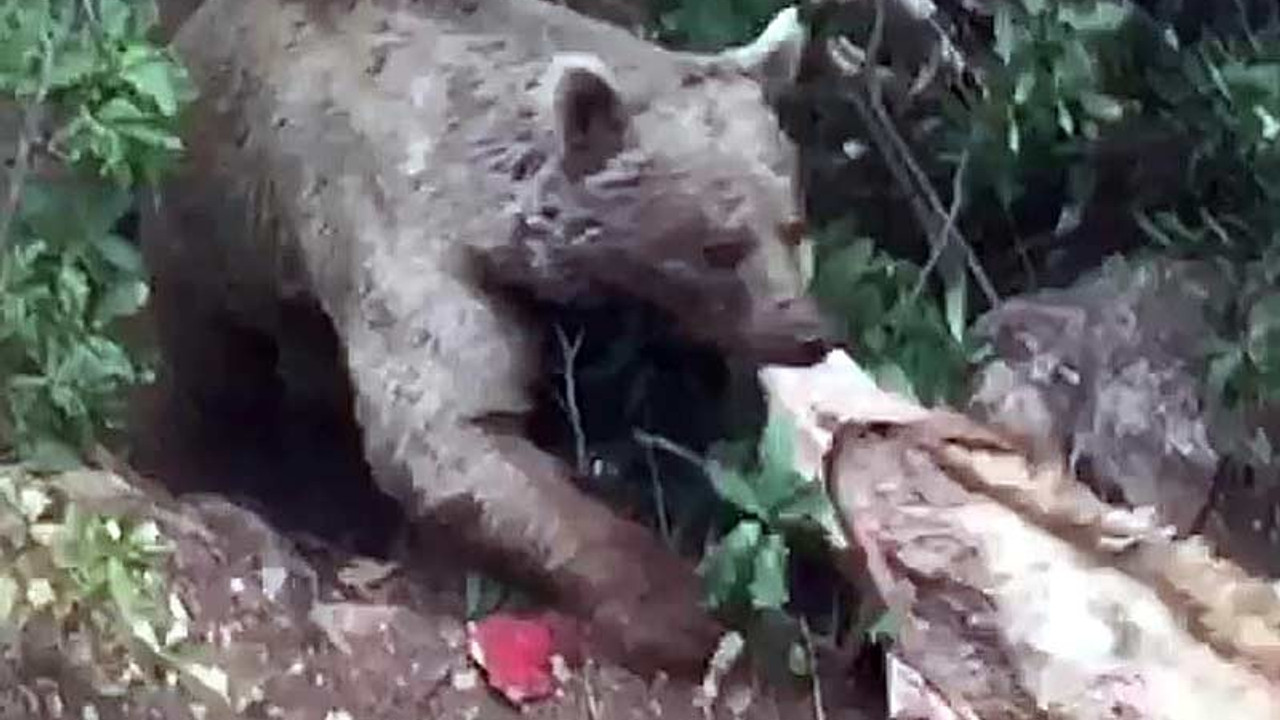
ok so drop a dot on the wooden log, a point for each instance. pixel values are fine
(1019, 593)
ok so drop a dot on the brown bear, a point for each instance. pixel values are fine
(385, 161)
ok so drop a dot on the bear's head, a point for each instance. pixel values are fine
(679, 190)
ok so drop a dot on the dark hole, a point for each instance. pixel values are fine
(289, 449)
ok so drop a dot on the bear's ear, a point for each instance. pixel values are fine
(591, 119)
(774, 57)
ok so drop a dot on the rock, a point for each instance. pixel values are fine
(1110, 372)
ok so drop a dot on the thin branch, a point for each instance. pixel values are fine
(657, 441)
(819, 705)
(569, 400)
(907, 172)
(942, 241)
(659, 496)
(31, 115)
(592, 705)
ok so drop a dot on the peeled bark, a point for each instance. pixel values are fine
(1019, 593)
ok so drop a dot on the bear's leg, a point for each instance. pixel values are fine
(496, 491)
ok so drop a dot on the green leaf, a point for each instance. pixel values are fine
(1223, 369)
(120, 254)
(1263, 340)
(154, 76)
(809, 503)
(120, 110)
(1013, 137)
(1102, 107)
(734, 488)
(1102, 16)
(68, 213)
(1075, 71)
(126, 119)
(50, 455)
(1006, 33)
(769, 581)
(124, 299)
(885, 627)
(73, 66)
(1024, 87)
(891, 377)
(1270, 125)
(777, 444)
(113, 17)
(1262, 77)
(875, 339)
(727, 569)
(151, 136)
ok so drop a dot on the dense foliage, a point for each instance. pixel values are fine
(1157, 122)
(1076, 129)
(90, 102)
(88, 107)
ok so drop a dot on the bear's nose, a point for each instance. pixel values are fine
(790, 332)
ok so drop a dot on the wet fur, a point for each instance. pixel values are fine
(387, 160)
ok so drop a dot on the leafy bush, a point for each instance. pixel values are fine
(90, 104)
(1079, 128)
(1065, 79)
(898, 331)
(1224, 96)
(97, 585)
(1044, 96)
(94, 103)
(747, 569)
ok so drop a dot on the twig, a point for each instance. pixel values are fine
(22, 159)
(661, 443)
(589, 691)
(925, 204)
(819, 706)
(942, 242)
(659, 497)
(569, 399)
(928, 209)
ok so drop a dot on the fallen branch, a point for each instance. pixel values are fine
(1019, 591)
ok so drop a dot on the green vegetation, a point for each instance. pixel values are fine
(96, 586)
(88, 108)
(1062, 97)
(92, 103)
(1072, 122)
(746, 570)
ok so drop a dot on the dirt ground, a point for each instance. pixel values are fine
(373, 623)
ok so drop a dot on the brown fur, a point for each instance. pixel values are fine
(368, 155)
